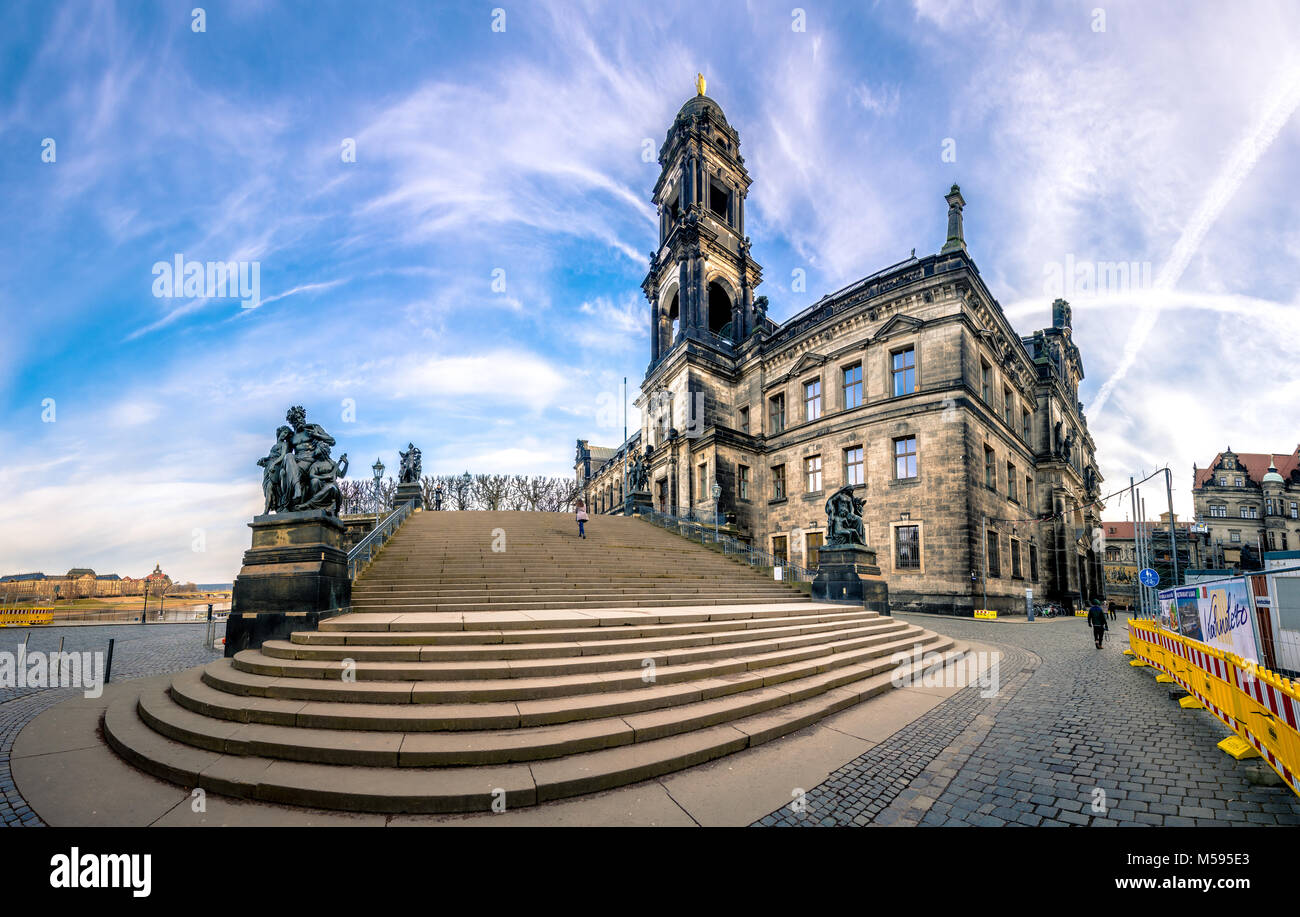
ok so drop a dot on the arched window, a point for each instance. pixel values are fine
(719, 309)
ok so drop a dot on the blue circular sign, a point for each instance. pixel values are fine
(1149, 577)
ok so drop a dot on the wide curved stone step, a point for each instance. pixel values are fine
(666, 662)
(205, 691)
(468, 788)
(576, 645)
(428, 748)
(697, 624)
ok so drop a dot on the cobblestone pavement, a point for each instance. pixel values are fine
(139, 651)
(1075, 736)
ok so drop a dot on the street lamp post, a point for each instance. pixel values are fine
(717, 493)
(378, 469)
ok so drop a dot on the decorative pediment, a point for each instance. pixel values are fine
(808, 361)
(898, 324)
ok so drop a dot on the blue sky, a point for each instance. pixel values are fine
(1163, 134)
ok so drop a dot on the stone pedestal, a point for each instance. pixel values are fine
(407, 492)
(849, 574)
(636, 502)
(294, 575)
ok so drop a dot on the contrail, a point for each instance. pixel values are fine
(1283, 104)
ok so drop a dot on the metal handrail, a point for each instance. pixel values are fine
(705, 533)
(376, 538)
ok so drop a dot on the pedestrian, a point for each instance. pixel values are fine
(1110, 607)
(1097, 621)
(582, 519)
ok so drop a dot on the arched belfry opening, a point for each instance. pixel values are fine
(670, 322)
(719, 309)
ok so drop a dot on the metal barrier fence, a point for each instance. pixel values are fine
(366, 549)
(707, 533)
(23, 617)
(1260, 706)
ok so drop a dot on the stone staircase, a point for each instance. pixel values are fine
(521, 561)
(631, 655)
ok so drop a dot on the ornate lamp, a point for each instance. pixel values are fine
(378, 469)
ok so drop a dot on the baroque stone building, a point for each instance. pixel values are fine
(81, 583)
(967, 441)
(1250, 503)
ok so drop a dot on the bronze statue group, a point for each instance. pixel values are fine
(298, 473)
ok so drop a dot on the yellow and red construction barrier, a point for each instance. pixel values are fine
(1260, 706)
(22, 617)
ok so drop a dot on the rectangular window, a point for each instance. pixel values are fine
(853, 386)
(905, 458)
(1015, 559)
(1238, 482)
(986, 382)
(995, 555)
(702, 483)
(742, 481)
(776, 414)
(1007, 405)
(744, 420)
(812, 467)
(1033, 562)
(813, 548)
(812, 399)
(1029, 491)
(853, 465)
(1024, 424)
(904, 372)
(1222, 511)
(1223, 482)
(779, 549)
(1234, 537)
(1294, 513)
(1011, 481)
(990, 470)
(778, 482)
(907, 547)
(1249, 512)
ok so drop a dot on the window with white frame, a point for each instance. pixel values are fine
(812, 399)
(812, 467)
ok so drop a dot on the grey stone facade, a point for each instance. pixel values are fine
(967, 441)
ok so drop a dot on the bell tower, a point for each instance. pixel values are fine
(701, 280)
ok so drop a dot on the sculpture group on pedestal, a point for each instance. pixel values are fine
(844, 519)
(298, 473)
(409, 473)
(638, 474)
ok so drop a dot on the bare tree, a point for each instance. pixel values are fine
(358, 496)
(490, 490)
(461, 490)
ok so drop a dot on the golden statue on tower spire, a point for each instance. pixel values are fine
(699, 84)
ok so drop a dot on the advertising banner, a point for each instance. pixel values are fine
(1187, 611)
(1166, 605)
(1224, 617)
